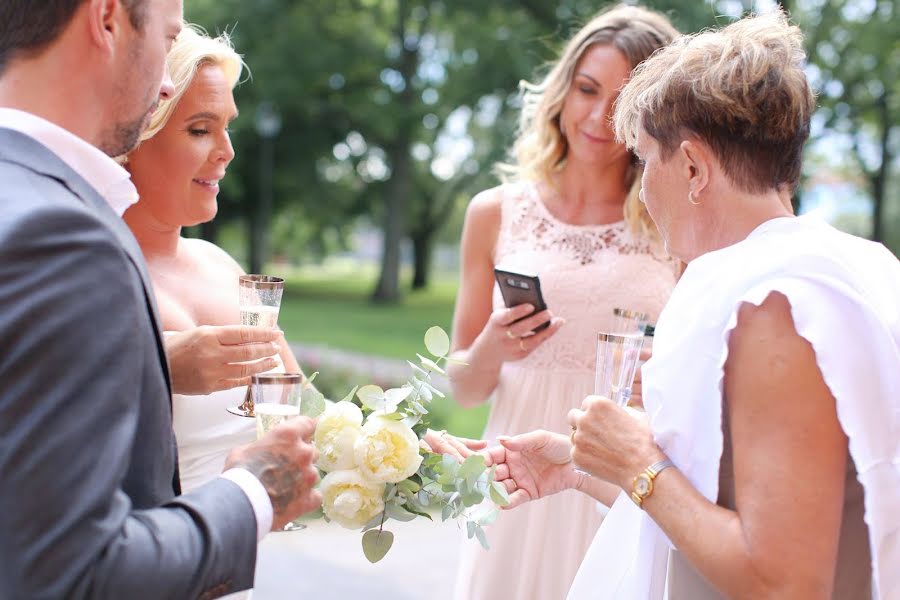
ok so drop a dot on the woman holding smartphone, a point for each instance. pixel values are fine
(569, 211)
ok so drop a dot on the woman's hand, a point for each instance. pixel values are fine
(507, 340)
(533, 465)
(209, 358)
(612, 443)
(441, 442)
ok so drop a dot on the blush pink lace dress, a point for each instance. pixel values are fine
(585, 272)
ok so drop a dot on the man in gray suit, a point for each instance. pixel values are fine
(89, 503)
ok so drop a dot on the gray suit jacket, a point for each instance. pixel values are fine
(88, 486)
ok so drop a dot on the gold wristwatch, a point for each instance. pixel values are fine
(642, 485)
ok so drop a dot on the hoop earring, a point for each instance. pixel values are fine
(691, 198)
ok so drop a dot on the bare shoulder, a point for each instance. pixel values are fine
(208, 252)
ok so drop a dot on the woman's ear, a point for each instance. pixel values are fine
(697, 161)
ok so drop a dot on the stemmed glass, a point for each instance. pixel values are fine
(617, 361)
(259, 302)
(276, 398)
(627, 322)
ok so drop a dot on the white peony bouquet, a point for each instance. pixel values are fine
(377, 467)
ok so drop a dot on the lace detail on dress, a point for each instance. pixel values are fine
(585, 272)
(530, 222)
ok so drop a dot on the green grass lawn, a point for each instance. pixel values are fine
(331, 307)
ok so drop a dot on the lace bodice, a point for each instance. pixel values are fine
(585, 271)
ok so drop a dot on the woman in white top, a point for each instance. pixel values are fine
(774, 382)
(177, 168)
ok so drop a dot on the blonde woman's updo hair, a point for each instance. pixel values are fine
(540, 148)
(193, 49)
(741, 90)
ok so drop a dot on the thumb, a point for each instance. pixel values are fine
(532, 440)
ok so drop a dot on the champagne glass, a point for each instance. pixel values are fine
(276, 398)
(629, 322)
(259, 302)
(617, 361)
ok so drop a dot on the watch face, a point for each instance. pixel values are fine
(642, 485)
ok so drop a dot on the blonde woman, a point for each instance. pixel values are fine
(570, 212)
(771, 465)
(177, 167)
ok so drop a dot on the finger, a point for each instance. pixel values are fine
(526, 326)
(502, 472)
(462, 448)
(473, 444)
(574, 417)
(245, 369)
(304, 427)
(507, 316)
(517, 498)
(591, 400)
(495, 455)
(510, 485)
(245, 334)
(248, 352)
(525, 441)
(646, 353)
(555, 324)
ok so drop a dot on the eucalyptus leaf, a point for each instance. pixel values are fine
(416, 368)
(471, 468)
(433, 390)
(446, 512)
(349, 397)
(490, 517)
(456, 361)
(482, 538)
(370, 395)
(437, 341)
(376, 544)
(312, 402)
(430, 364)
(311, 378)
(498, 494)
(409, 486)
(397, 395)
(470, 529)
(399, 513)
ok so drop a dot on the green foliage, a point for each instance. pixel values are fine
(376, 544)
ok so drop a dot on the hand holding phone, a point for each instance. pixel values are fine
(521, 288)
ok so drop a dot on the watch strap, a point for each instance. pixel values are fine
(658, 467)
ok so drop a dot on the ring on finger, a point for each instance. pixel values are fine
(522, 345)
(572, 437)
(510, 334)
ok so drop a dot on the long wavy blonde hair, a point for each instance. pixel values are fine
(540, 148)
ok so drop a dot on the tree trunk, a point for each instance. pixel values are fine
(400, 185)
(422, 247)
(879, 181)
(388, 288)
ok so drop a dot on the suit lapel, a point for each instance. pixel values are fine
(33, 155)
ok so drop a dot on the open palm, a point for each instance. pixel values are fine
(539, 464)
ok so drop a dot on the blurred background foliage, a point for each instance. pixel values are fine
(392, 113)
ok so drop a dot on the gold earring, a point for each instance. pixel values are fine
(691, 198)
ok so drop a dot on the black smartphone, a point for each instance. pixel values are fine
(521, 288)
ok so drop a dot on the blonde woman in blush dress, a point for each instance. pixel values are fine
(568, 211)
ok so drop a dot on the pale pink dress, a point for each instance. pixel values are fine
(585, 272)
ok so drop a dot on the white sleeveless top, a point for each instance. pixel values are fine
(845, 300)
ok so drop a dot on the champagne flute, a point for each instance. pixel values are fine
(259, 303)
(628, 322)
(276, 398)
(617, 361)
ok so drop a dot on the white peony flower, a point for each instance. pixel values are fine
(387, 451)
(336, 434)
(349, 499)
